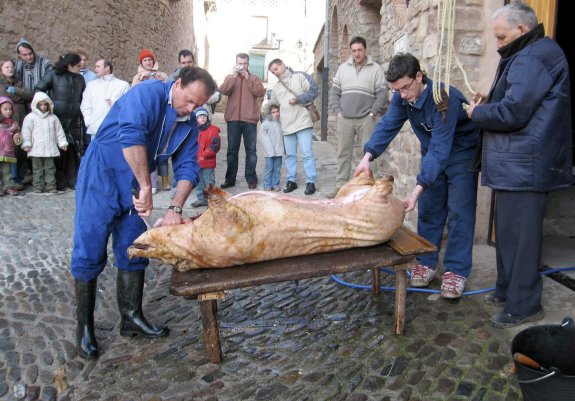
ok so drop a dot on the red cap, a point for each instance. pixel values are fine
(146, 53)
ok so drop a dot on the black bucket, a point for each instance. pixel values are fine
(553, 348)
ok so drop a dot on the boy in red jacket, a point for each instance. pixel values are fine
(209, 146)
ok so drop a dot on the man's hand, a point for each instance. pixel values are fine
(143, 202)
(409, 203)
(171, 218)
(475, 100)
(411, 200)
(292, 101)
(363, 166)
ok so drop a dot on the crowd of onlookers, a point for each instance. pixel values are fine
(49, 112)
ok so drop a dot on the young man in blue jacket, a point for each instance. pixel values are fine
(152, 122)
(446, 188)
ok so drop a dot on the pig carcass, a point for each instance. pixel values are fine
(259, 225)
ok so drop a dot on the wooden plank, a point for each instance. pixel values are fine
(406, 242)
(208, 310)
(201, 281)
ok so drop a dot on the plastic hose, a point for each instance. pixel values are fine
(338, 280)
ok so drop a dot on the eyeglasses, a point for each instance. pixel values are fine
(404, 88)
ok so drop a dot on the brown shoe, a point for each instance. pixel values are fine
(253, 185)
(166, 186)
(18, 187)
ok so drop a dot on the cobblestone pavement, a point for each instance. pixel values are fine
(306, 340)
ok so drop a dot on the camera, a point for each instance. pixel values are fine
(239, 68)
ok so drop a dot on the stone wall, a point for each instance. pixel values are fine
(115, 29)
(397, 25)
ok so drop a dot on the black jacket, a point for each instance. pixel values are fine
(65, 90)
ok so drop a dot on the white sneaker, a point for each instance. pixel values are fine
(421, 276)
(452, 285)
(154, 191)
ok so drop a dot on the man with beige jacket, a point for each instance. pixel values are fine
(293, 91)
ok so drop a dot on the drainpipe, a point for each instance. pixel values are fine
(325, 75)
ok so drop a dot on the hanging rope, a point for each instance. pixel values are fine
(445, 55)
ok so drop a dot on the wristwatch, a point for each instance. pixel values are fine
(176, 209)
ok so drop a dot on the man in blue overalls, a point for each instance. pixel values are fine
(152, 122)
(445, 186)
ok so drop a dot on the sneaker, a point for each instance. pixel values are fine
(290, 186)
(37, 191)
(504, 320)
(18, 187)
(332, 194)
(494, 300)
(309, 188)
(252, 185)
(227, 185)
(277, 189)
(452, 285)
(53, 191)
(421, 276)
(154, 191)
(11, 192)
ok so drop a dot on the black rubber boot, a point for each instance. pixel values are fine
(86, 301)
(130, 289)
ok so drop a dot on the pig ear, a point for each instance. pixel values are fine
(230, 218)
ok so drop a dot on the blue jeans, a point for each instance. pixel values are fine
(452, 199)
(305, 140)
(272, 172)
(237, 129)
(207, 176)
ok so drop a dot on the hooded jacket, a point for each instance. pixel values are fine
(526, 122)
(271, 135)
(209, 142)
(42, 132)
(8, 127)
(65, 90)
(37, 69)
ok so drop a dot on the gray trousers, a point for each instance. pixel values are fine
(347, 130)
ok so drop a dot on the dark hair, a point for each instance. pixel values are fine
(274, 106)
(358, 39)
(186, 53)
(401, 65)
(191, 74)
(275, 61)
(107, 63)
(64, 61)
(242, 55)
(27, 46)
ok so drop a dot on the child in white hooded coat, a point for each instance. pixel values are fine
(43, 135)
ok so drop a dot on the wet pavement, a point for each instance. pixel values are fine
(307, 340)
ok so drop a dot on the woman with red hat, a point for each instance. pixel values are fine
(148, 68)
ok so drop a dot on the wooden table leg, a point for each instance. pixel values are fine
(375, 281)
(209, 309)
(400, 296)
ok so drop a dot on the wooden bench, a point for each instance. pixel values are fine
(208, 285)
